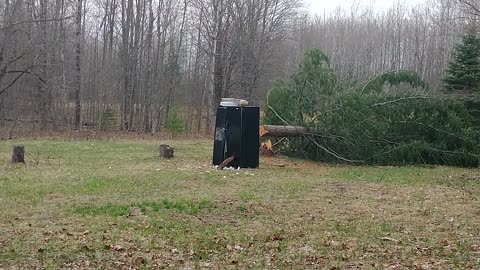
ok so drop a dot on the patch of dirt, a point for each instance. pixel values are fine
(308, 166)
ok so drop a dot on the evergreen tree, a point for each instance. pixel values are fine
(369, 125)
(463, 73)
(394, 78)
(309, 89)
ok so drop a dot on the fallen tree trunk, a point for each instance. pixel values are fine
(282, 131)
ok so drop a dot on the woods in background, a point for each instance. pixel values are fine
(146, 65)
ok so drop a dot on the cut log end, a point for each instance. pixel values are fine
(165, 151)
(18, 155)
(282, 131)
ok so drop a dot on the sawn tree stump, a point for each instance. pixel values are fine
(18, 155)
(165, 151)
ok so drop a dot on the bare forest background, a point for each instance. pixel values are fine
(147, 65)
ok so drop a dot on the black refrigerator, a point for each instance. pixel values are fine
(237, 135)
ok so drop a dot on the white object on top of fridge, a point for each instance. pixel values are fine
(233, 102)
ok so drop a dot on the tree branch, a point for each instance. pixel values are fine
(397, 100)
(11, 83)
(20, 74)
(476, 10)
(332, 153)
(27, 71)
(273, 110)
(34, 21)
(378, 76)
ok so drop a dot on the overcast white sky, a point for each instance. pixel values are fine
(318, 6)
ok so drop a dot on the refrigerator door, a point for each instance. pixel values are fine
(219, 142)
(234, 136)
(250, 137)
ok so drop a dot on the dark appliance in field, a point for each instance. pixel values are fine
(237, 135)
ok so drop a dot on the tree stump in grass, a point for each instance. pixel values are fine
(18, 155)
(165, 151)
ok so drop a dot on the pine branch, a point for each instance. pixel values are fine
(398, 100)
(273, 110)
(332, 153)
(378, 76)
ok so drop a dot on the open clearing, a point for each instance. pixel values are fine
(114, 204)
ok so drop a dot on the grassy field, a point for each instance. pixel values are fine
(114, 205)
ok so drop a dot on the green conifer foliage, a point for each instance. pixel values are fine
(463, 73)
(308, 91)
(368, 125)
(395, 78)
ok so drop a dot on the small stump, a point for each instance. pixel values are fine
(165, 151)
(18, 155)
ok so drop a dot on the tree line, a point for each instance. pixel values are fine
(135, 64)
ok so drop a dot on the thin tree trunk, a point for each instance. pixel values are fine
(78, 70)
(148, 77)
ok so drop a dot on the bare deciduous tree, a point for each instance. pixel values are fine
(126, 63)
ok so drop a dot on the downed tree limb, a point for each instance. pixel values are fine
(282, 131)
(332, 153)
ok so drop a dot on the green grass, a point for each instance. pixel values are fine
(184, 206)
(409, 175)
(113, 204)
